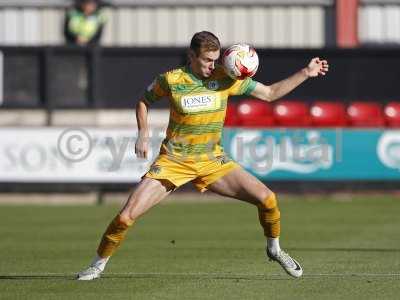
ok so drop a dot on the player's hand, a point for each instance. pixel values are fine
(317, 67)
(142, 147)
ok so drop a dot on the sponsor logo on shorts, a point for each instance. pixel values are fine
(223, 159)
(155, 169)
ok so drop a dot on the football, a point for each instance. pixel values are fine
(240, 61)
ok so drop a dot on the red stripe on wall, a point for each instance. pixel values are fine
(347, 23)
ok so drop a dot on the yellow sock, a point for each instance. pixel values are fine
(113, 237)
(269, 216)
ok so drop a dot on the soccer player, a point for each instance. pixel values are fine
(198, 95)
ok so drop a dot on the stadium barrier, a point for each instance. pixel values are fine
(1, 77)
(106, 156)
(316, 154)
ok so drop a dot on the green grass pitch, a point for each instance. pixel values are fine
(349, 249)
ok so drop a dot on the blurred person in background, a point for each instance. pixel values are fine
(84, 23)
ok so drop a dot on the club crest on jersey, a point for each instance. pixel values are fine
(213, 85)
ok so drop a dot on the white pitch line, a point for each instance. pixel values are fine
(354, 275)
(254, 275)
(222, 275)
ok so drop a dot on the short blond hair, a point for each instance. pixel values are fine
(204, 41)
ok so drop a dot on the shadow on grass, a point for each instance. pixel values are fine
(202, 276)
(36, 277)
(183, 276)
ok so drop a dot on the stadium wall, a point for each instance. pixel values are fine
(274, 24)
(379, 22)
(264, 23)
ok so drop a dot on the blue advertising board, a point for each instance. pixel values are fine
(309, 154)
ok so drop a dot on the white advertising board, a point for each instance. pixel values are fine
(73, 155)
(1, 78)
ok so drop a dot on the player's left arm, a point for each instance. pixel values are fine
(279, 89)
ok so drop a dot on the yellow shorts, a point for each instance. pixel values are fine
(201, 173)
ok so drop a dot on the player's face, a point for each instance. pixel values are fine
(204, 64)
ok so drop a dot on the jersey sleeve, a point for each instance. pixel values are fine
(242, 87)
(157, 89)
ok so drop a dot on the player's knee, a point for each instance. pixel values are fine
(130, 211)
(269, 202)
(126, 218)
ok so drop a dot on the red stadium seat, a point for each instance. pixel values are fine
(232, 118)
(392, 114)
(292, 114)
(255, 113)
(328, 114)
(365, 114)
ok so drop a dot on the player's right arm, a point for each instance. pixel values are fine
(142, 142)
(156, 90)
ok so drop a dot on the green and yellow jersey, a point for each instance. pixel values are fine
(197, 110)
(85, 27)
